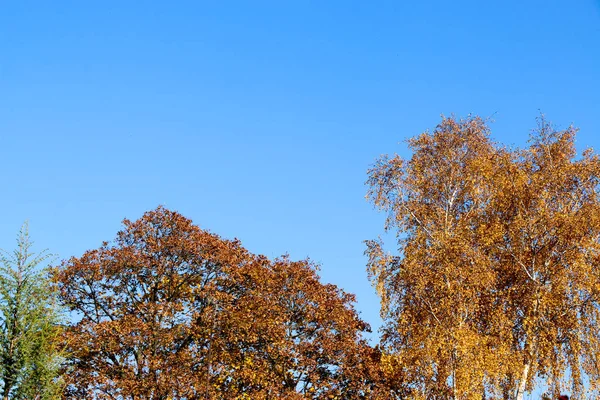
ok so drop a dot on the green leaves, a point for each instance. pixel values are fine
(30, 356)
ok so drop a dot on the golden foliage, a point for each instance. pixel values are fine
(497, 279)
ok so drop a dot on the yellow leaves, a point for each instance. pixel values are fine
(389, 363)
(498, 252)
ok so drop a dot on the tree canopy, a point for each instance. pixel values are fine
(495, 283)
(172, 311)
(30, 355)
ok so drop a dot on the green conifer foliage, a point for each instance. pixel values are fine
(30, 358)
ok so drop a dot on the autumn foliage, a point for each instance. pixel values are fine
(169, 311)
(496, 284)
(490, 288)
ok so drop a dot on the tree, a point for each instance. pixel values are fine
(30, 355)
(496, 281)
(172, 311)
(283, 334)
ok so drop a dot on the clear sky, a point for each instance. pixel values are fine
(258, 120)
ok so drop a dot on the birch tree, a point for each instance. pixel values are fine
(495, 283)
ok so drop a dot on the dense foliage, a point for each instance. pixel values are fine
(172, 311)
(496, 282)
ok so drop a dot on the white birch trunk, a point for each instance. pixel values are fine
(522, 383)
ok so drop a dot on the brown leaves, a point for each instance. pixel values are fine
(171, 311)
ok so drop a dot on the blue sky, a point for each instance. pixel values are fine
(258, 120)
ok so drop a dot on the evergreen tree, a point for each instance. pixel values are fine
(29, 325)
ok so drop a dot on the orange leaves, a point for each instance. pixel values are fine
(171, 311)
(497, 252)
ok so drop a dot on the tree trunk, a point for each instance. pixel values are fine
(523, 382)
